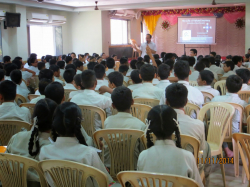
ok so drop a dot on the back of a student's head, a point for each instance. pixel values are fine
(7, 59)
(229, 64)
(124, 61)
(78, 82)
(236, 59)
(61, 64)
(133, 64)
(52, 62)
(168, 56)
(46, 73)
(156, 56)
(110, 63)
(42, 85)
(176, 95)
(54, 68)
(2, 74)
(104, 63)
(91, 65)
(115, 79)
(9, 68)
(146, 58)
(68, 75)
(229, 57)
(163, 71)
(147, 72)
(162, 55)
(234, 83)
(206, 62)
(123, 69)
(88, 79)
(140, 59)
(213, 53)
(68, 59)
(99, 70)
(16, 76)
(182, 69)
(170, 63)
(244, 74)
(7, 91)
(191, 61)
(207, 76)
(55, 92)
(200, 66)
(70, 66)
(184, 57)
(139, 64)
(158, 62)
(48, 58)
(18, 63)
(211, 60)
(78, 64)
(122, 99)
(135, 76)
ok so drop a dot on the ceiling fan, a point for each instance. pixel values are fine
(41, 1)
(96, 7)
(214, 3)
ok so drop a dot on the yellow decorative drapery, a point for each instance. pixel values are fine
(151, 22)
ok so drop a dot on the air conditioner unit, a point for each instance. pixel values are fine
(38, 18)
(123, 13)
(2, 15)
(57, 20)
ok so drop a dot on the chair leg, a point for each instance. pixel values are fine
(236, 158)
(244, 176)
(222, 169)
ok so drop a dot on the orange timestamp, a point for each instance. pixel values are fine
(215, 161)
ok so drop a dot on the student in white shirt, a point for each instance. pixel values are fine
(69, 143)
(69, 60)
(79, 66)
(132, 65)
(237, 62)
(26, 73)
(155, 80)
(213, 67)
(16, 77)
(110, 64)
(69, 79)
(163, 73)
(228, 67)
(9, 109)
(45, 74)
(42, 85)
(32, 62)
(169, 158)
(170, 62)
(233, 85)
(191, 61)
(244, 74)
(208, 64)
(137, 82)
(41, 66)
(148, 90)
(56, 71)
(99, 70)
(91, 65)
(193, 53)
(123, 69)
(200, 66)
(78, 85)
(47, 59)
(61, 65)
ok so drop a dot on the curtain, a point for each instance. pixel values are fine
(151, 22)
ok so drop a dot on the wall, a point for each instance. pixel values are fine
(247, 27)
(106, 37)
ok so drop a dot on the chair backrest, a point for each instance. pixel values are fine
(247, 110)
(30, 106)
(229, 134)
(145, 101)
(113, 111)
(14, 168)
(219, 76)
(89, 113)
(190, 108)
(193, 83)
(125, 84)
(20, 99)
(207, 96)
(220, 118)
(137, 179)
(221, 86)
(244, 95)
(223, 78)
(121, 144)
(10, 127)
(140, 111)
(32, 96)
(248, 124)
(243, 143)
(67, 92)
(68, 173)
(130, 82)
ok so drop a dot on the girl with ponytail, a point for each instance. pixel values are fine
(164, 155)
(70, 143)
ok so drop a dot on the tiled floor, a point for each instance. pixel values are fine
(231, 180)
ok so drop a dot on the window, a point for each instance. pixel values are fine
(119, 31)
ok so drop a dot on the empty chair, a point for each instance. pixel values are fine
(145, 101)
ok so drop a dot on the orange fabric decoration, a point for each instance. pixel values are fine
(151, 22)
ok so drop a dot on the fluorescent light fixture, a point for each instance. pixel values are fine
(38, 21)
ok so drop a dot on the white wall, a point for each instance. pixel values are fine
(106, 37)
(247, 27)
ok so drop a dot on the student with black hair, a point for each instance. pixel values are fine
(139, 64)
(156, 78)
(156, 56)
(70, 66)
(114, 56)
(237, 62)
(140, 59)
(213, 67)
(99, 70)
(9, 109)
(170, 63)
(228, 67)
(8, 69)
(212, 54)
(69, 60)
(32, 62)
(246, 57)
(69, 141)
(91, 65)
(148, 90)
(41, 66)
(16, 77)
(61, 65)
(146, 59)
(26, 73)
(182, 72)
(47, 60)
(115, 80)
(233, 86)
(78, 85)
(110, 64)
(200, 66)
(168, 56)
(123, 69)
(99, 59)
(244, 74)
(79, 66)
(124, 61)
(73, 55)
(52, 62)
(193, 53)
(89, 96)
(6, 59)
(43, 83)
(69, 79)
(56, 71)
(162, 56)
(163, 74)
(2, 75)
(132, 65)
(162, 123)
(207, 63)
(191, 61)
(55, 91)
(137, 81)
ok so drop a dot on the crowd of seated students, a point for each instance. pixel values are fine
(99, 81)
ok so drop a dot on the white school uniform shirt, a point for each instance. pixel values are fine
(165, 157)
(143, 48)
(134, 86)
(233, 98)
(69, 148)
(109, 71)
(149, 91)
(129, 72)
(62, 72)
(245, 87)
(163, 84)
(192, 68)
(47, 65)
(194, 75)
(216, 69)
(56, 79)
(35, 69)
(22, 91)
(126, 79)
(69, 86)
(101, 83)
(229, 73)
(215, 74)
(10, 110)
(78, 72)
(208, 89)
(26, 75)
(37, 92)
(73, 93)
(155, 81)
(35, 100)
(237, 67)
(26, 65)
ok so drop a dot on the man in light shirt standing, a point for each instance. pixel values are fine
(149, 43)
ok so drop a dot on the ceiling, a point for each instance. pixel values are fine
(86, 5)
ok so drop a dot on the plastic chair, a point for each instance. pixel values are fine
(125, 84)
(67, 92)
(30, 106)
(89, 113)
(113, 111)
(138, 179)
(221, 86)
(248, 124)
(10, 127)
(140, 111)
(207, 96)
(14, 168)
(219, 76)
(247, 110)
(130, 82)
(32, 96)
(244, 95)
(145, 101)
(193, 83)
(68, 173)
(121, 144)
(20, 99)
(220, 118)
(190, 108)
